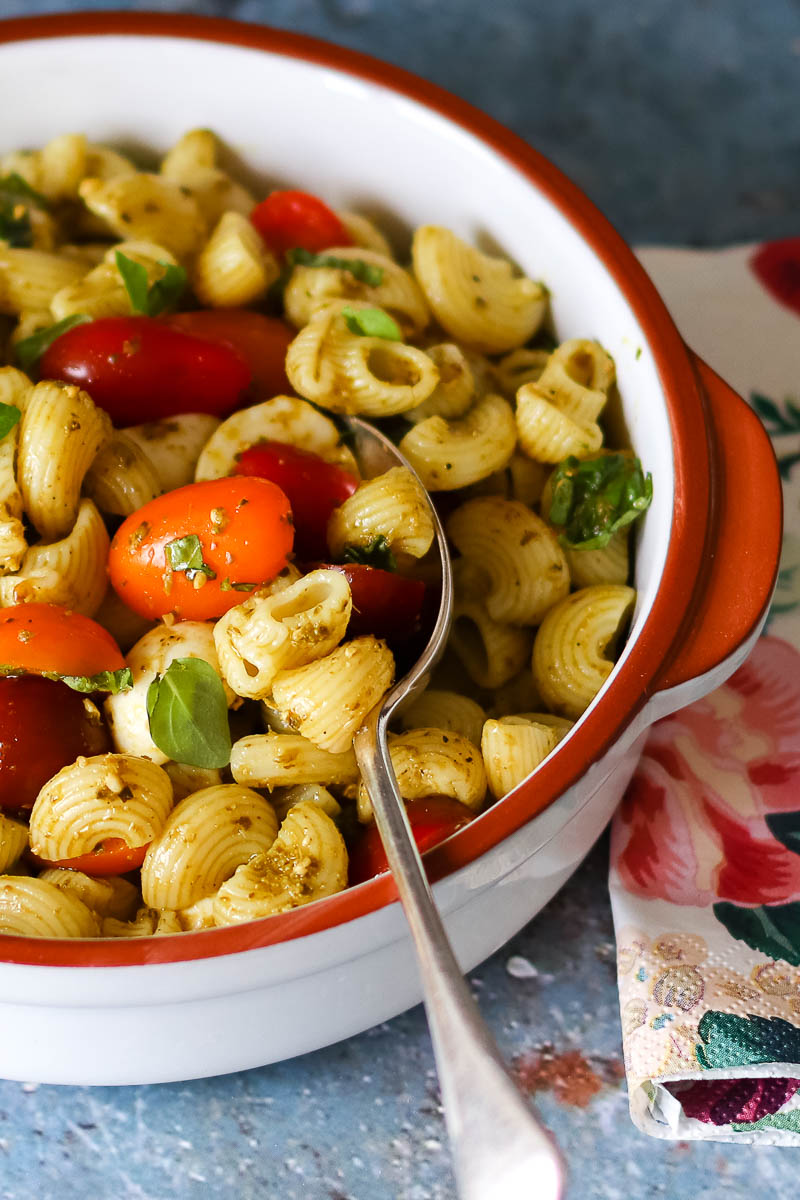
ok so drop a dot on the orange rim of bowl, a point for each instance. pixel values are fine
(691, 527)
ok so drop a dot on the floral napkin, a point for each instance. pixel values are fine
(705, 858)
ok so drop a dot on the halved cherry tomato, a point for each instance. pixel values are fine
(314, 487)
(112, 857)
(44, 725)
(139, 369)
(48, 638)
(260, 340)
(385, 604)
(432, 819)
(289, 219)
(244, 529)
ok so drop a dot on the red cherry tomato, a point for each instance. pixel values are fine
(139, 369)
(314, 487)
(289, 219)
(777, 265)
(384, 604)
(244, 530)
(44, 725)
(48, 638)
(112, 857)
(260, 340)
(432, 819)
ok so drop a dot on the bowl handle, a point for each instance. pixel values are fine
(742, 549)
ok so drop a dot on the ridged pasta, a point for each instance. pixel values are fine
(107, 897)
(70, 572)
(121, 477)
(548, 434)
(491, 652)
(398, 293)
(433, 762)
(304, 793)
(267, 634)
(15, 389)
(513, 747)
(234, 267)
(569, 663)
(349, 373)
(273, 760)
(147, 207)
(35, 908)
(205, 838)
(55, 170)
(102, 292)
(186, 779)
(455, 391)
(365, 233)
(93, 799)
(477, 299)
(438, 708)
(307, 860)
(13, 840)
(453, 454)
(192, 163)
(606, 564)
(30, 278)
(173, 446)
(517, 694)
(524, 365)
(392, 506)
(577, 378)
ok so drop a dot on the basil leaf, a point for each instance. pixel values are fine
(372, 322)
(593, 498)
(16, 197)
(105, 681)
(30, 349)
(377, 554)
(188, 714)
(16, 188)
(186, 554)
(9, 416)
(363, 271)
(150, 299)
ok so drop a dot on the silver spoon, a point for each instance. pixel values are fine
(500, 1149)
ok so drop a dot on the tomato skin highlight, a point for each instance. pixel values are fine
(245, 531)
(139, 369)
(260, 340)
(384, 603)
(113, 857)
(44, 726)
(314, 487)
(47, 637)
(432, 819)
(289, 219)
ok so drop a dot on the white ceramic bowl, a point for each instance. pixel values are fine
(367, 136)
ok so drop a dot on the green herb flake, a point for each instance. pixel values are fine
(9, 416)
(593, 498)
(16, 198)
(30, 349)
(227, 586)
(363, 271)
(371, 322)
(186, 554)
(105, 681)
(151, 299)
(376, 554)
(188, 714)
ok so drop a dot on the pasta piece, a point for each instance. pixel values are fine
(441, 709)
(61, 431)
(527, 568)
(13, 840)
(392, 506)
(35, 908)
(94, 799)
(607, 564)
(30, 278)
(518, 694)
(307, 861)
(102, 292)
(281, 419)
(398, 293)
(524, 365)
(124, 625)
(577, 378)
(491, 652)
(330, 364)
(143, 924)
(433, 762)
(548, 434)
(205, 838)
(305, 793)
(121, 477)
(198, 916)
(455, 391)
(113, 896)
(173, 446)
(273, 760)
(234, 267)
(15, 390)
(295, 626)
(512, 749)
(71, 571)
(328, 700)
(569, 654)
(192, 163)
(126, 712)
(453, 454)
(186, 779)
(477, 299)
(365, 233)
(147, 207)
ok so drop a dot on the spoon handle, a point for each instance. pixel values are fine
(500, 1149)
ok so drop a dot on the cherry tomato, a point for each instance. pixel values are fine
(112, 857)
(48, 638)
(139, 369)
(385, 604)
(220, 534)
(44, 725)
(260, 340)
(289, 219)
(777, 265)
(432, 819)
(314, 487)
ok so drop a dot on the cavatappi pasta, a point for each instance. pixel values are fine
(208, 776)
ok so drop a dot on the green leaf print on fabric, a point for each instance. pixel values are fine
(787, 590)
(779, 422)
(788, 1120)
(773, 929)
(731, 1041)
(785, 826)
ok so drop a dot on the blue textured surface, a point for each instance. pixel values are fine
(680, 121)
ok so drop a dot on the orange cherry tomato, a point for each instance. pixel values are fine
(260, 340)
(112, 857)
(289, 219)
(189, 551)
(40, 638)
